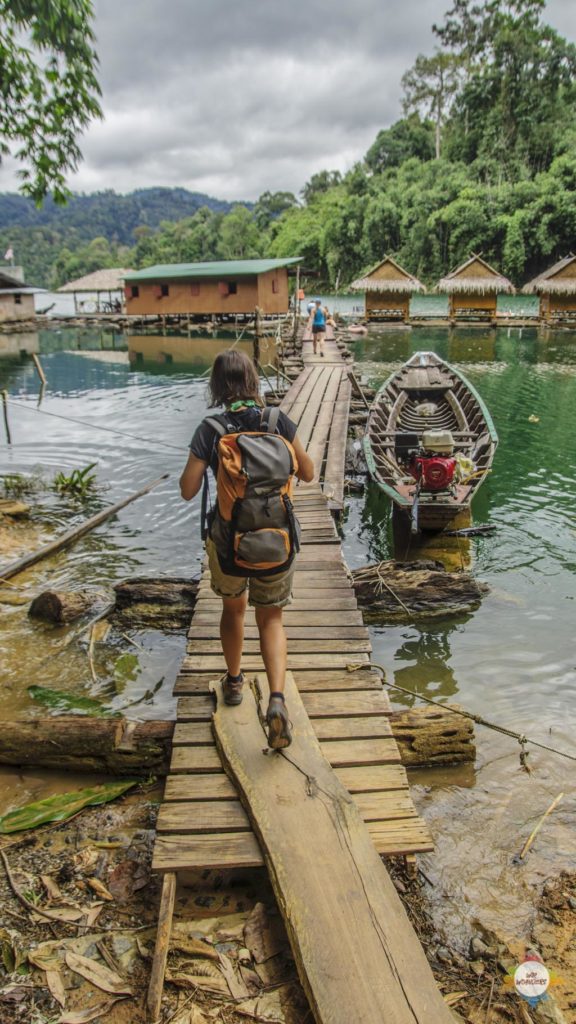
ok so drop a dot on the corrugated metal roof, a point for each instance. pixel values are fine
(108, 280)
(221, 268)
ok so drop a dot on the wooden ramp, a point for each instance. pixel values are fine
(358, 958)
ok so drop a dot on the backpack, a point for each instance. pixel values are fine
(252, 525)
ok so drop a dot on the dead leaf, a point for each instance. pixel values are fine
(86, 860)
(52, 889)
(264, 937)
(48, 961)
(65, 914)
(90, 1013)
(56, 986)
(266, 1007)
(183, 980)
(92, 914)
(191, 1015)
(127, 877)
(238, 989)
(251, 980)
(99, 888)
(97, 974)
(454, 997)
(15, 993)
(196, 947)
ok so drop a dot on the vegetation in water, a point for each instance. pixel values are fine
(80, 483)
(66, 703)
(15, 485)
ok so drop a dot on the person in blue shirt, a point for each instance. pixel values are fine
(318, 324)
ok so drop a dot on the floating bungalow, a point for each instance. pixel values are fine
(218, 289)
(473, 290)
(556, 288)
(388, 289)
(16, 298)
(99, 292)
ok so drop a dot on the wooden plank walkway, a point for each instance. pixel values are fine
(202, 822)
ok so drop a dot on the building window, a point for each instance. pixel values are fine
(232, 287)
(195, 289)
(18, 300)
(164, 290)
(134, 291)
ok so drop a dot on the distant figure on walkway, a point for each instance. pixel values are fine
(317, 323)
(234, 573)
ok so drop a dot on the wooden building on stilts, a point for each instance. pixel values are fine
(473, 290)
(556, 289)
(387, 291)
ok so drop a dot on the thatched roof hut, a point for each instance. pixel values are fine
(387, 289)
(475, 277)
(111, 279)
(559, 279)
(388, 276)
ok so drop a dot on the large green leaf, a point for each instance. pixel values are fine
(62, 805)
(61, 701)
(126, 670)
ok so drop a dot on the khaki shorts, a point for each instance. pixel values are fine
(263, 592)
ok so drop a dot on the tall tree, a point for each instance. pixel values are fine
(429, 86)
(48, 89)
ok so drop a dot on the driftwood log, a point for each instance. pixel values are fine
(428, 736)
(407, 590)
(159, 602)
(61, 606)
(78, 743)
(425, 736)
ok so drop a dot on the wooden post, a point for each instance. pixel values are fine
(39, 369)
(5, 411)
(296, 304)
(257, 333)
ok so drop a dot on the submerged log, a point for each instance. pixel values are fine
(79, 743)
(162, 602)
(428, 736)
(61, 606)
(406, 590)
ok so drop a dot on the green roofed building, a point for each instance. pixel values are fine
(227, 287)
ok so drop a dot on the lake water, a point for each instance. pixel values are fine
(512, 661)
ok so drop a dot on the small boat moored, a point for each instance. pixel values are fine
(430, 441)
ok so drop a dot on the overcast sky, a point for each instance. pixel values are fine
(233, 97)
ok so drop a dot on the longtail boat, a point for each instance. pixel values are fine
(430, 441)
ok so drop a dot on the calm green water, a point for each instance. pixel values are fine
(513, 660)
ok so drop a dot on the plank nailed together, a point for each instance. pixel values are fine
(357, 955)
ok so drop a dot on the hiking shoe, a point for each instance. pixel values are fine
(232, 689)
(279, 732)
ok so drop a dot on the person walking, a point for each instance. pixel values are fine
(234, 385)
(317, 323)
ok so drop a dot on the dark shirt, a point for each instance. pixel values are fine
(204, 443)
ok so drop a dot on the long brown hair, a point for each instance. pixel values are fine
(233, 378)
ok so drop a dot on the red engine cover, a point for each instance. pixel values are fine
(435, 472)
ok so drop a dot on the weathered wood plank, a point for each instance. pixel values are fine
(156, 984)
(297, 646)
(195, 680)
(366, 727)
(211, 631)
(200, 787)
(254, 663)
(357, 955)
(328, 704)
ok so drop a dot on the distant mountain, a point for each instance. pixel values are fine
(106, 214)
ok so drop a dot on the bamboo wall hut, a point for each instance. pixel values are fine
(387, 291)
(225, 288)
(16, 297)
(556, 288)
(473, 290)
(102, 291)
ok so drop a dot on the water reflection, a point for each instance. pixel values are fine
(167, 354)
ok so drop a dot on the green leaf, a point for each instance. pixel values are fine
(126, 670)
(60, 701)
(62, 806)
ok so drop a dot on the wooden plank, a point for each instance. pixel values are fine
(328, 704)
(217, 786)
(297, 646)
(254, 663)
(165, 915)
(358, 957)
(292, 617)
(200, 787)
(211, 631)
(241, 849)
(197, 681)
(209, 603)
(369, 779)
(203, 816)
(366, 727)
(347, 753)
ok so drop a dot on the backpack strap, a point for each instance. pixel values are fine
(220, 426)
(269, 419)
(218, 423)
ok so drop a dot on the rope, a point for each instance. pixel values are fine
(96, 426)
(522, 739)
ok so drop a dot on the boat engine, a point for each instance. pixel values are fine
(432, 461)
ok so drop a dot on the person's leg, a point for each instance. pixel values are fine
(321, 338)
(232, 632)
(314, 340)
(272, 646)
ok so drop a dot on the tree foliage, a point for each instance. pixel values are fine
(48, 89)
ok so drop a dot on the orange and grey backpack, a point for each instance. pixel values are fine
(252, 525)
